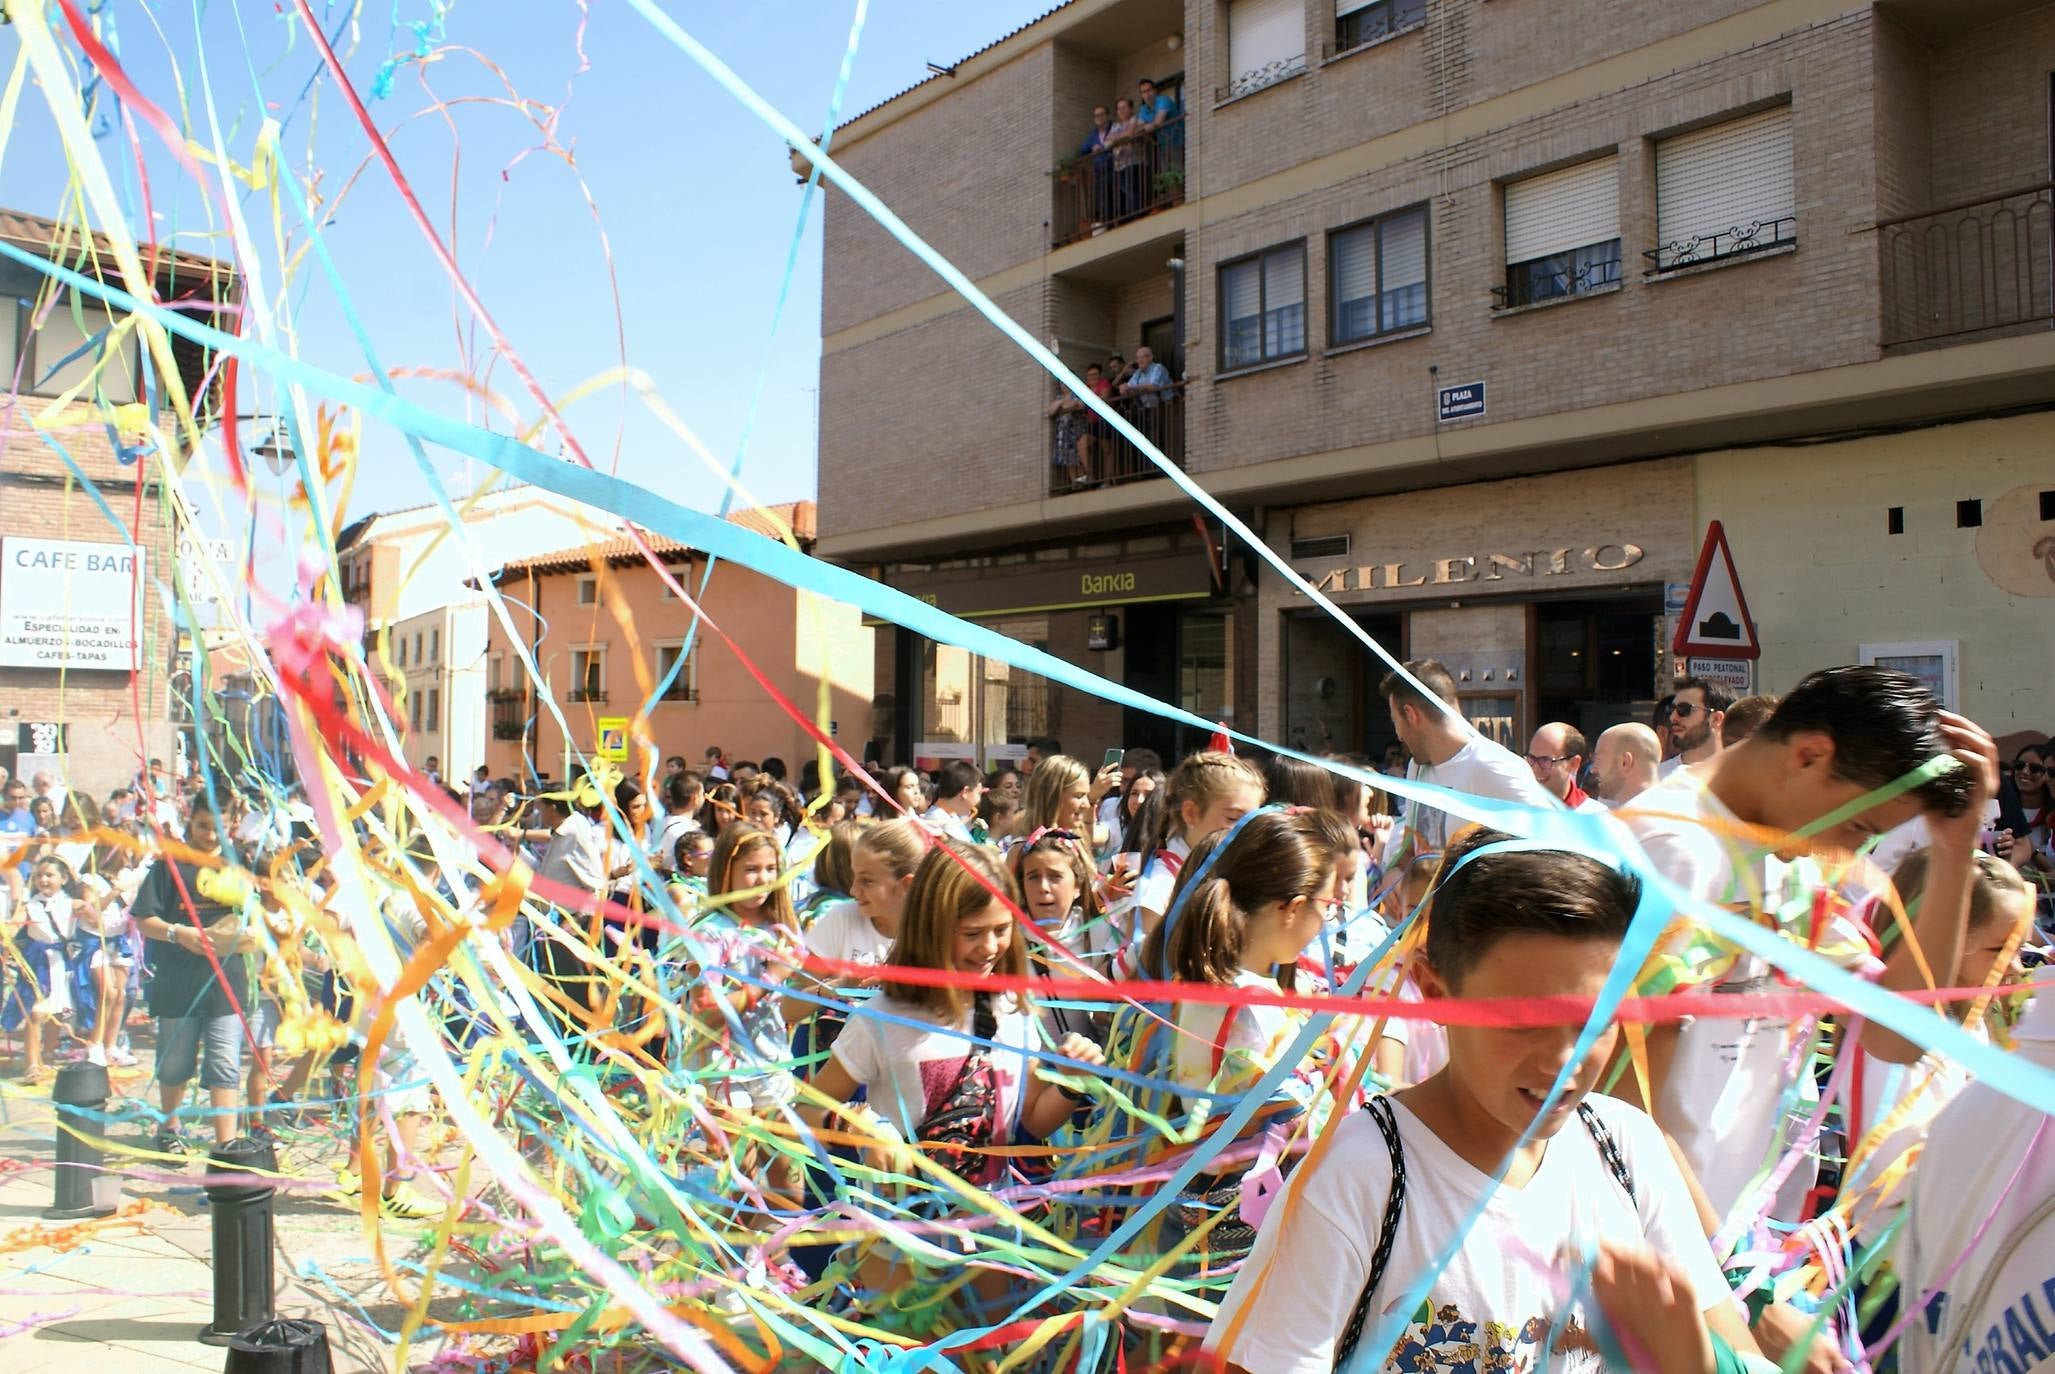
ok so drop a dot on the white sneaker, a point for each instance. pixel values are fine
(96, 1053)
(121, 1058)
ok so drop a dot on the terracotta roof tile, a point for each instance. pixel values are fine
(64, 244)
(622, 552)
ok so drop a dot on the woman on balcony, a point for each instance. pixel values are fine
(1077, 431)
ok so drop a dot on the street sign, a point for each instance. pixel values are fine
(1465, 402)
(1737, 675)
(1715, 622)
(613, 738)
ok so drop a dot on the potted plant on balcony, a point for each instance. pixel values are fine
(1169, 186)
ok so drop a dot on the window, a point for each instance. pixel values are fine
(1357, 22)
(434, 695)
(1378, 272)
(588, 591)
(1266, 42)
(11, 311)
(414, 709)
(80, 325)
(1724, 190)
(418, 659)
(1563, 232)
(588, 675)
(685, 686)
(399, 651)
(1263, 307)
(492, 673)
(435, 646)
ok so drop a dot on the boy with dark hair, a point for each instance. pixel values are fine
(1728, 833)
(958, 788)
(1403, 1178)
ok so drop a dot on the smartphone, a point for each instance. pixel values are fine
(1113, 758)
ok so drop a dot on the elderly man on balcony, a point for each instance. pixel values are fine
(1150, 381)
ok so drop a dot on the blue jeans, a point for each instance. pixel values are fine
(180, 1042)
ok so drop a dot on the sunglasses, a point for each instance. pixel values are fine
(1685, 710)
(2030, 769)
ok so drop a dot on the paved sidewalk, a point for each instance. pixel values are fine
(129, 1295)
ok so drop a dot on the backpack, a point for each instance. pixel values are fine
(967, 1119)
(1387, 1125)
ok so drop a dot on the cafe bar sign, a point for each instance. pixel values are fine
(1536, 565)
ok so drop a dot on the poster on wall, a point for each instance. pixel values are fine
(70, 604)
(1932, 661)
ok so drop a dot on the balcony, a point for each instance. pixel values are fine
(509, 712)
(1086, 453)
(1981, 269)
(592, 694)
(1136, 177)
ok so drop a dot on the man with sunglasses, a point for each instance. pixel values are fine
(1698, 714)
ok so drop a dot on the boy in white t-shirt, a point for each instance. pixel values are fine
(1346, 1241)
(1726, 833)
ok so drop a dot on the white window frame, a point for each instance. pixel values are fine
(687, 686)
(1941, 657)
(588, 589)
(578, 690)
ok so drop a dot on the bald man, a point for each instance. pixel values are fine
(1623, 766)
(1556, 757)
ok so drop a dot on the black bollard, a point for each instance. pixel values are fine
(80, 1096)
(282, 1346)
(241, 1204)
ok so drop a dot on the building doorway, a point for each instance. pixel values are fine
(1331, 699)
(1596, 661)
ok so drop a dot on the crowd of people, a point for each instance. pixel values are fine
(1127, 149)
(1085, 448)
(917, 987)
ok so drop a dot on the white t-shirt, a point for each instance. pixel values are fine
(1923, 1089)
(1721, 1097)
(1256, 1038)
(1494, 1305)
(677, 825)
(51, 919)
(945, 823)
(1481, 768)
(1152, 891)
(910, 1072)
(842, 932)
(1972, 1151)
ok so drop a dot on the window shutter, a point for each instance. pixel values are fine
(1561, 210)
(1405, 250)
(1284, 279)
(1724, 177)
(1355, 264)
(1243, 288)
(1265, 39)
(1344, 8)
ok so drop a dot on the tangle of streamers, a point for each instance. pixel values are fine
(633, 1156)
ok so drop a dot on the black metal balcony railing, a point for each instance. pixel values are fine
(1578, 272)
(1731, 242)
(1086, 452)
(596, 694)
(509, 712)
(1134, 177)
(1969, 269)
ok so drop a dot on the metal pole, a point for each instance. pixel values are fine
(240, 1201)
(80, 1095)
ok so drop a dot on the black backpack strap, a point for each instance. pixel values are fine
(1380, 1112)
(1608, 1150)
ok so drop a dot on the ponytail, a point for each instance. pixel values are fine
(1273, 857)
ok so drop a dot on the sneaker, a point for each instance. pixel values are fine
(173, 1146)
(121, 1058)
(347, 1183)
(96, 1053)
(408, 1203)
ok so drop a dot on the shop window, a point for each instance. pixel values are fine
(985, 702)
(1205, 664)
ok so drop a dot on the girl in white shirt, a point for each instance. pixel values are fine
(49, 916)
(1207, 793)
(945, 1067)
(105, 953)
(1479, 1155)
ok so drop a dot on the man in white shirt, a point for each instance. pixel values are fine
(1724, 833)
(958, 786)
(1556, 756)
(1987, 1160)
(1447, 753)
(576, 855)
(1624, 764)
(1697, 714)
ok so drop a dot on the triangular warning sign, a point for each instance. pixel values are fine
(1715, 623)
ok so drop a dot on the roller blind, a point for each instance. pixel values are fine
(1355, 264)
(1723, 177)
(1405, 250)
(1284, 279)
(1561, 210)
(1344, 8)
(1265, 38)
(1243, 286)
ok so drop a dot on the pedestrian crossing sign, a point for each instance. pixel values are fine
(613, 738)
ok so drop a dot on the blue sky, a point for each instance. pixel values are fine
(694, 196)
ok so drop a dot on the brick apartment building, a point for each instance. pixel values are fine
(1785, 265)
(88, 655)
